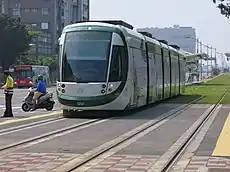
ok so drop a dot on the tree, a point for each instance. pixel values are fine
(49, 61)
(223, 6)
(15, 39)
(26, 59)
(52, 62)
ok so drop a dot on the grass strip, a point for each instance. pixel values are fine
(212, 90)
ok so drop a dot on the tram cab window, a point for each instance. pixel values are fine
(59, 63)
(116, 67)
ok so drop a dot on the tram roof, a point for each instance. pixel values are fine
(130, 29)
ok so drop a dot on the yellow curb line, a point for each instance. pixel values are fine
(30, 118)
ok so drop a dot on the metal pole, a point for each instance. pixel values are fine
(211, 61)
(197, 65)
(201, 46)
(215, 58)
(36, 48)
(20, 59)
(197, 45)
(207, 59)
(18, 5)
(201, 62)
(3, 6)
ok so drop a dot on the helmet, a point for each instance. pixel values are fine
(6, 72)
(40, 77)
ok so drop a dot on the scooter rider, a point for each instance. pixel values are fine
(41, 90)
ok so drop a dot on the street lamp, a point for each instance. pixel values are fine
(36, 50)
(197, 43)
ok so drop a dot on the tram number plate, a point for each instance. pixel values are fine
(80, 103)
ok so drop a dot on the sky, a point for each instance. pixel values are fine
(211, 27)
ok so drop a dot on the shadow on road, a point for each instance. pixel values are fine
(148, 112)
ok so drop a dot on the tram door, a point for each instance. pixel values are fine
(134, 101)
(152, 78)
(139, 76)
(152, 73)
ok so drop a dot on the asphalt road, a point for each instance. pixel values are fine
(17, 100)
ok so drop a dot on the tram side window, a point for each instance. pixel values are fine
(116, 68)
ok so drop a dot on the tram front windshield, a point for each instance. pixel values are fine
(85, 56)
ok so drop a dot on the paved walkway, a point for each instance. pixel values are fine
(199, 162)
(33, 162)
(137, 163)
(45, 162)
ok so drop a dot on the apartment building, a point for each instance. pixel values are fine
(185, 37)
(47, 16)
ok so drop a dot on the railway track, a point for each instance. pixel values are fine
(121, 142)
(30, 125)
(77, 165)
(95, 153)
(46, 136)
(176, 157)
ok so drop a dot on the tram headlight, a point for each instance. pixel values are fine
(59, 84)
(110, 85)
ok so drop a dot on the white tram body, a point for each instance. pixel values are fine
(106, 65)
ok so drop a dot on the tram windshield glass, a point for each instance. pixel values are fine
(85, 57)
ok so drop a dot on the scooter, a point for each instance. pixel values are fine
(44, 102)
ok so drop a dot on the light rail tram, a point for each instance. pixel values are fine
(107, 65)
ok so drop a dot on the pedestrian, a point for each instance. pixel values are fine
(8, 90)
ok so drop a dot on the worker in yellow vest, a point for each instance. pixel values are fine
(8, 90)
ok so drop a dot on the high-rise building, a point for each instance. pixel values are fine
(185, 37)
(47, 16)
